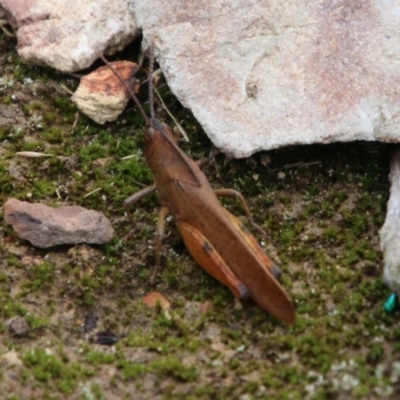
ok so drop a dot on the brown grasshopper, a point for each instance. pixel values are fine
(215, 238)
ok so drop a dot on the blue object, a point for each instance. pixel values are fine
(392, 303)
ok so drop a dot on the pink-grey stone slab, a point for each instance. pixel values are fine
(265, 74)
(45, 226)
(390, 232)
(66, 34)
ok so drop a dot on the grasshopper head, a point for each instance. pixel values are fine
(157, 128)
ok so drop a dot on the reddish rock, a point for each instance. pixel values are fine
(101, 96)
(154, 298)
(45, 226)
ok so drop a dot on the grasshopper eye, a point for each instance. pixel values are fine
(150, 132)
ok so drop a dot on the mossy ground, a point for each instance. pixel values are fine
(321, 205)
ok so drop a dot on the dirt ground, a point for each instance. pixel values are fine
(73, 324)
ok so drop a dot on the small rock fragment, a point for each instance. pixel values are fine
(90, 322)
(206, 306)
(154, 298)
(45, 226)
(11, 115)
(10, 358)
(101, 96)
(105, 338)
(18, 326)
(192, 310)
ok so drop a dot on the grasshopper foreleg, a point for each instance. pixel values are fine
(128, 203)
(164, 211)
(131, 200)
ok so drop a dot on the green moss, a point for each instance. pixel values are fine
(163, 367)
(234, 363)
(43, 188)
(9, 307)
(7, 99)
(131, 370)
(20, 70)
(97, 392)
(3, 277)
(98, 357)
(36, 322)
(171, 366)
(54, 135)
(14, 261)
(41, 277)
(47, 368)
(36, 106)
(333, 233)
(32, 146)
(25, 109)
(66, 107)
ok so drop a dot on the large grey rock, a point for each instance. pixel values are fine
(264, 74)
(390, 232)
(66, 34)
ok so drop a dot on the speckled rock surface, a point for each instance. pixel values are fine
(390, 232)
(265, 74)
(65, 35)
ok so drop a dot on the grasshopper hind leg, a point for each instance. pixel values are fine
(277, 272)
(234, 193)
(210, 260)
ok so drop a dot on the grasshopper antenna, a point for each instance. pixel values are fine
(150, 78)
(127, 87)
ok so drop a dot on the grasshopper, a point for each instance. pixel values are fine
(216, 239)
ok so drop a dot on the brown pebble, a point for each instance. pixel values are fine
(45, 226)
